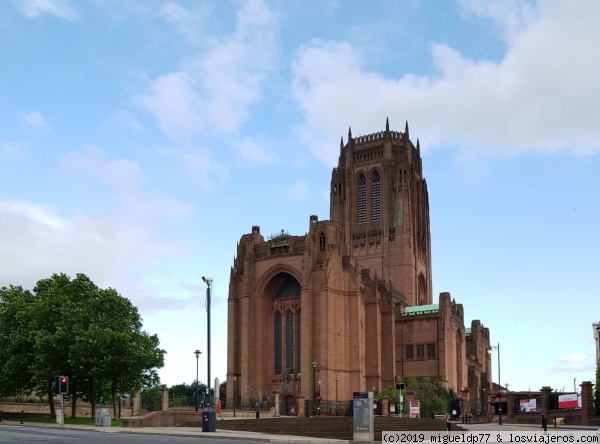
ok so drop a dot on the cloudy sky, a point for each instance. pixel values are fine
(139, 140)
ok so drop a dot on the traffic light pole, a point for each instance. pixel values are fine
(62, 410)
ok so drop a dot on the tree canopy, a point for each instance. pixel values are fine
(429, 390)
(73, 328)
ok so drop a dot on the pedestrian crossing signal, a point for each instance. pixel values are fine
(62, 385)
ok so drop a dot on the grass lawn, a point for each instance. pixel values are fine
(81, 421)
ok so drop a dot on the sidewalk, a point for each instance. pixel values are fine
(197, 432)
(530, 427)
(193, 432)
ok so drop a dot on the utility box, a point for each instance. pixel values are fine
(209, 419)
(363, 424)
(100, 415)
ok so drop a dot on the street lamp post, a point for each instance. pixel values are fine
(483, 402)
(337, 377)
(499, 386)
(208, 281)
(319, 406)
(234, 384)
(197, 353)
(314, 364)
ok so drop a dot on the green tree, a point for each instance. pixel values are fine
(431, 393)
(15, 338)
(71, 327)
(151, 398)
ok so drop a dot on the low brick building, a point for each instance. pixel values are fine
(348, 306)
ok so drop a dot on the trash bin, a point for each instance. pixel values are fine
(100, 415)
(209, 419)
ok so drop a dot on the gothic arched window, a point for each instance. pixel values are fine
(362, 199)
(422, 291)
(298, 336)
(375, 196)
(289, 340)
(322, 242)
(277, 343)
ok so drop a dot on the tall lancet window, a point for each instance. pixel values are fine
(289, 341)
(298, 336)
(362, 199)
(375, 196)
(322, 242)
(277, 343)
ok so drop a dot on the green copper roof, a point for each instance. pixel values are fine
(421, 309)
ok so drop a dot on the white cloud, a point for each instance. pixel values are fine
(173, 101)
(112, 246)
(125, 118)
(298, 190)
(10, 149)
(36, 8)
(255, 151)
(197, 165)
(575, 363)
(510, 16)
(188, 22)
(215, 89)
(123, 173)
(40, 242)
(35, 119)
(544, 95)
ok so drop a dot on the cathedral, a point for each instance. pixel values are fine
(349, 304)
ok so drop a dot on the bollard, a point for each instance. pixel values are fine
(545, 423)
(448, 425)
(22, 415)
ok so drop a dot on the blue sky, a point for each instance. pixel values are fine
(139, 140)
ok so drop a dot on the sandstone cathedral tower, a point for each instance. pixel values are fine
(350, 303)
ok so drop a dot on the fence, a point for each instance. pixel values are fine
(249, 404)
(327, 408)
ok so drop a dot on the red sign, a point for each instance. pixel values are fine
(568, 401)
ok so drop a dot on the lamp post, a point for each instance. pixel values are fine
(337, 377)
(314, 364)
(319, 402)
(197, 353)
(499, 386)
(483, 402)
(234, 384)
(208, 281)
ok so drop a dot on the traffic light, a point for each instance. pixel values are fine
(62, 385)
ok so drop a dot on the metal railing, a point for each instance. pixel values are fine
(327, 408)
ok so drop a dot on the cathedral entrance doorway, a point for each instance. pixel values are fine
(289, 406)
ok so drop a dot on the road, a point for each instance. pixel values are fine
(39, 435)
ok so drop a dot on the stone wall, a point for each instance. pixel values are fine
(83, 410)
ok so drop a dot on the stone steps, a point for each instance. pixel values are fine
(332, 427)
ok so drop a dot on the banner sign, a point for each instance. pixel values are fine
(527, 405)
(568, 401)
(414, 409)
